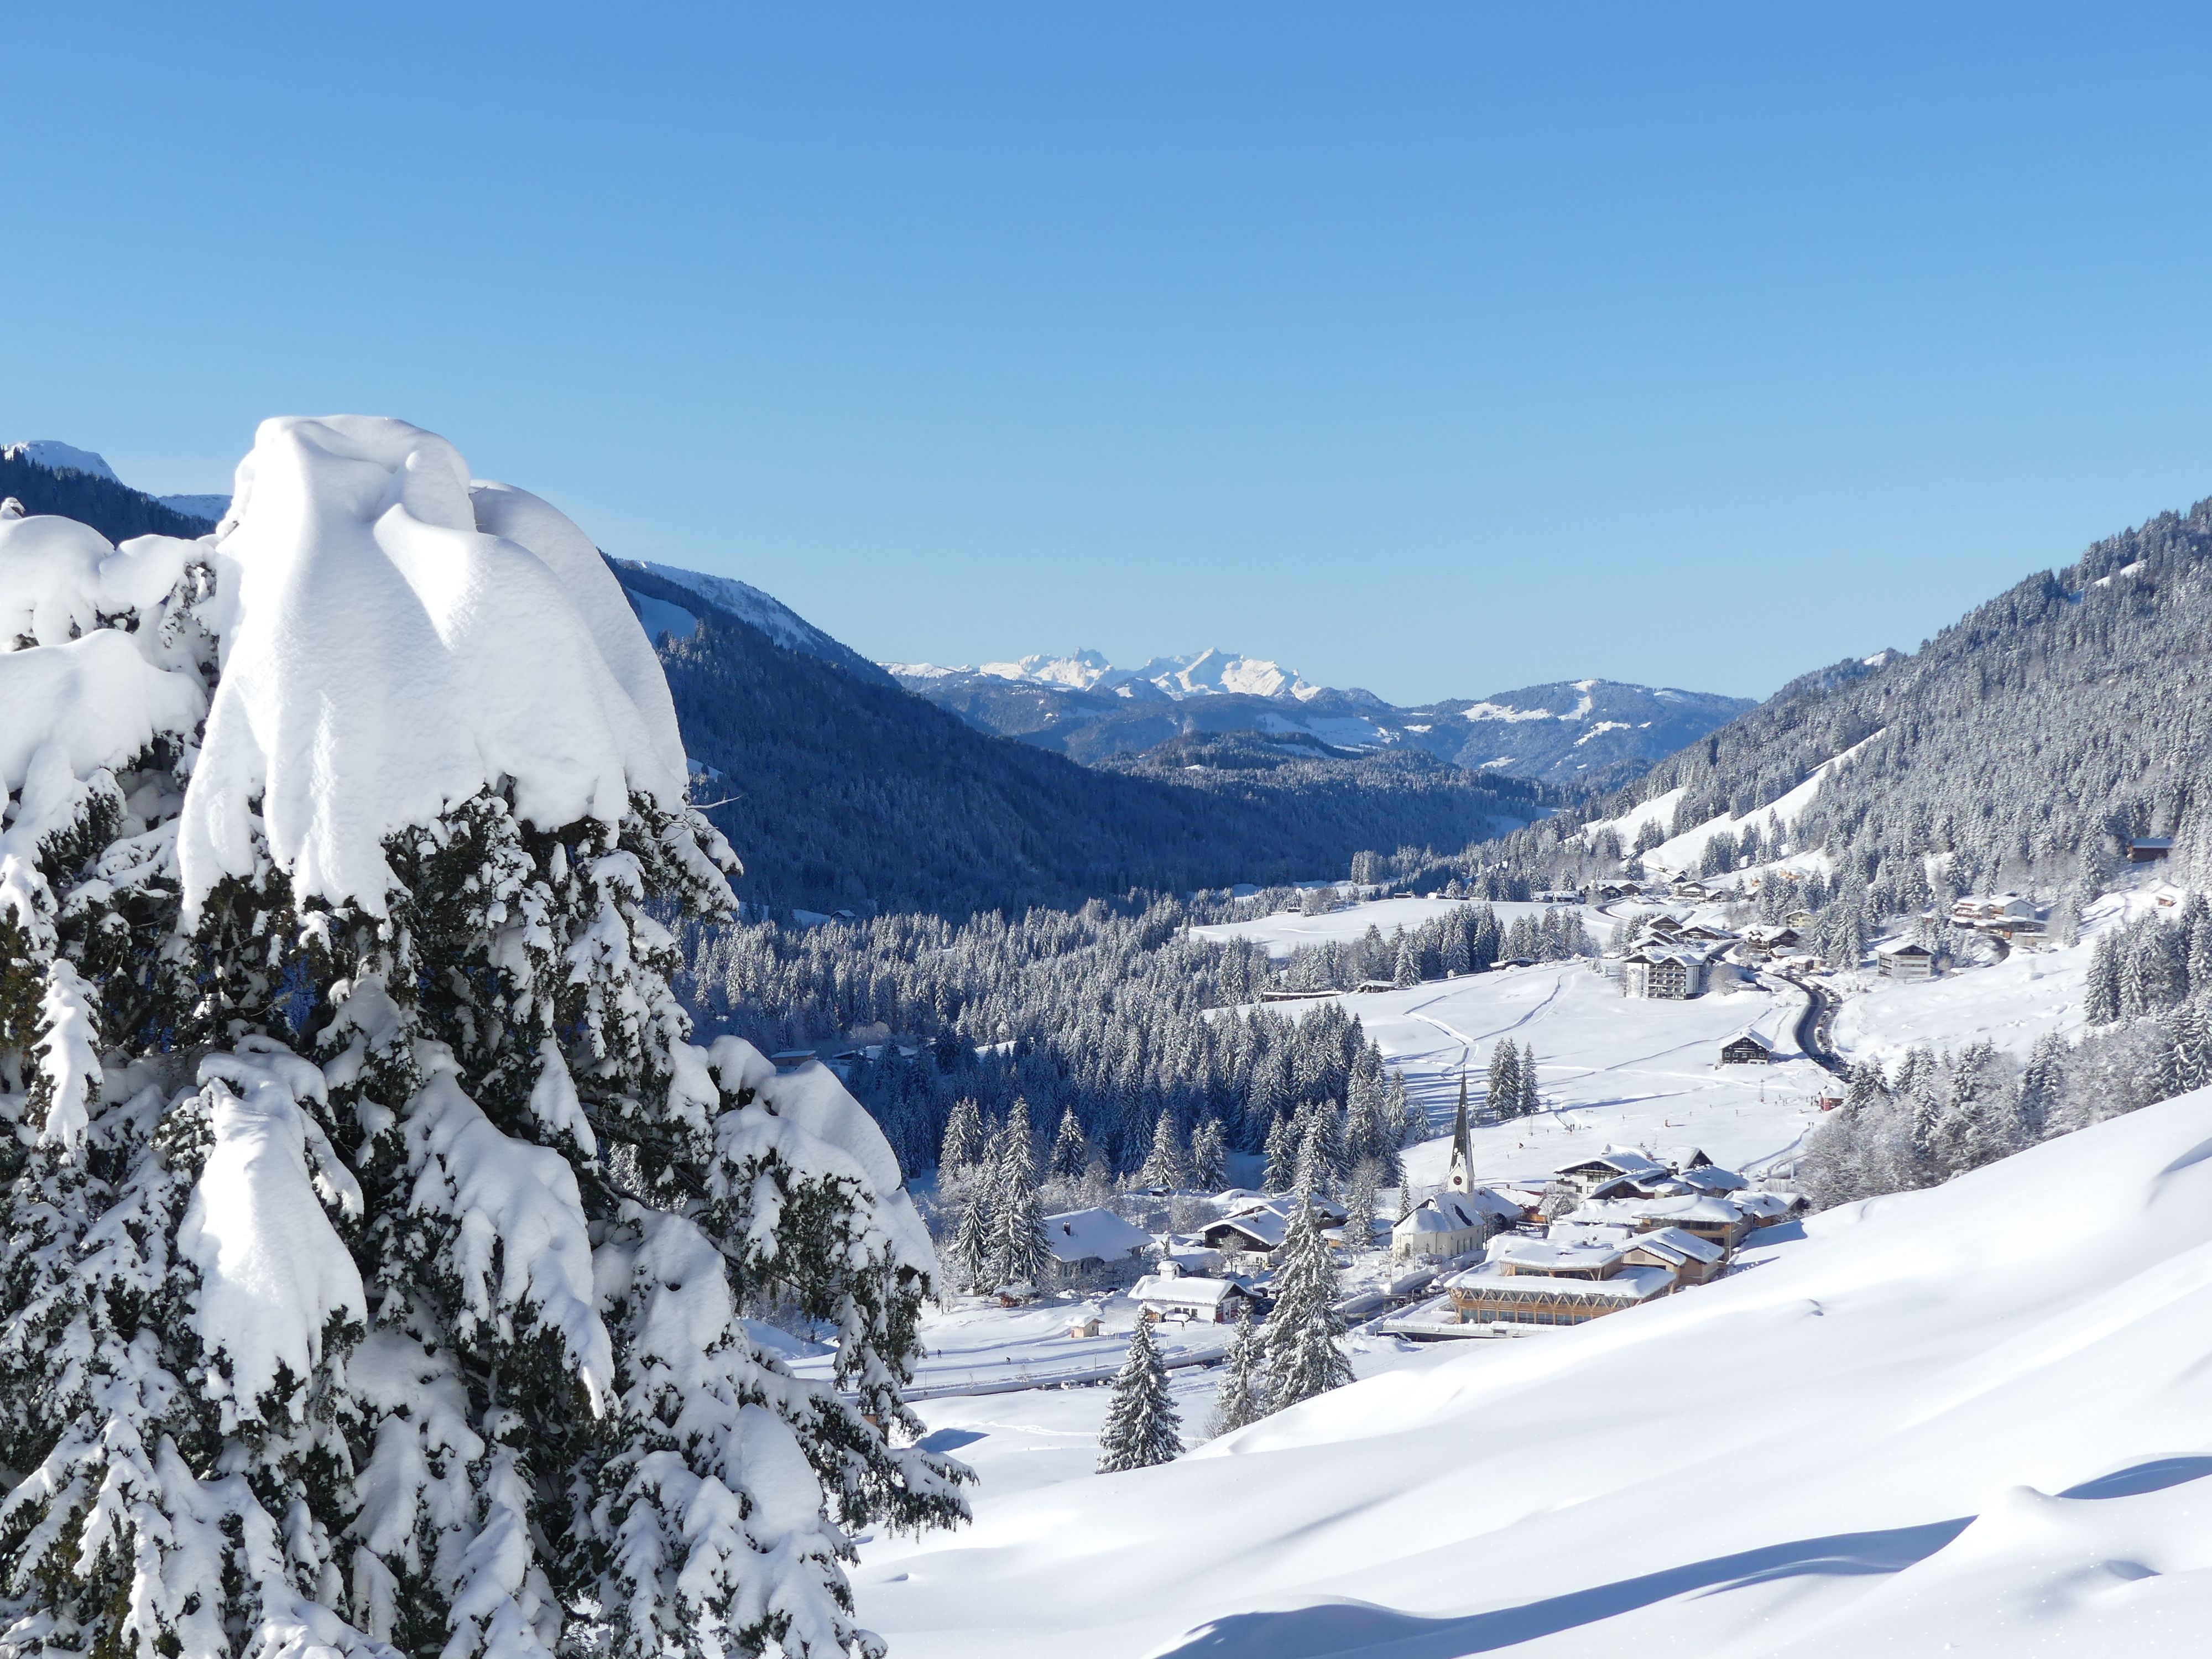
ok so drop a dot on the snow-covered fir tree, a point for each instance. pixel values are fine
(1241, 1396)
(1072, 1151)
(1282, 1169)
(1019, 1251)
(1531, 1101)
(378, 1245)
(1142, 1427)
(1504, 1093)
(965, 1142)
(1304, 1332)
(1209, 1156)
(1165, 1166)
(968, 1256)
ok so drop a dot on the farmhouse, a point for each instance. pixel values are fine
(1209, 1301)
(2149, 849)
(1708, 1215)
(1095, 1246)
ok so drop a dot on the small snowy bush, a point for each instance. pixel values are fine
(377, 1247)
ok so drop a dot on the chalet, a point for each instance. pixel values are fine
(1373, 985)
(1449, 1223)
(1663, 972)
(1256, 1232)
(790, 1060)
(1331, 1212)
(1690, 1259)
(1691, 889)
(1908, 960)
(1760, 942)
(1746, 1049)
(1087, 1323)
(2149, 849)
(1766, 1209)
(1095, 1246)
(1590, 1173)
(1704, 932)
(1711, 1178)
(1566, 1251)
(1683, 1159)
(1565, 896)
(1208, 1301)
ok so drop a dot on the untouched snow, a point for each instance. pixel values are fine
(436, 637)
(1875, 1440)
(1287, 932)
(1684, 851)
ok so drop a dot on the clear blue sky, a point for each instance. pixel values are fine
(1436, 348)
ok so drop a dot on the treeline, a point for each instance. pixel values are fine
(1122, 1018)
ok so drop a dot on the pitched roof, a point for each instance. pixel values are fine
(1183, 1293)
(1081, 1235)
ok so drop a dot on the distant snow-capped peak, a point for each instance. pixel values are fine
(1203, 673)
(58, 457)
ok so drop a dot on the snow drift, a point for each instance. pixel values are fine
(1974, 1420)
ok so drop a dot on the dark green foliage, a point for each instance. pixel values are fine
(116, 511)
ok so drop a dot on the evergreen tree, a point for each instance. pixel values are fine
(974, 1240)
(965, 1142)
(1305, 1333)
(2100, 1003)
(1361, 1191)
(376, 1238)
(1282, 1171)
(1209, 1156)
(1072, 1151)
(1240, 1397)
(1142, 1427)
(1503, 1097)
(1531, 1101)
(1164, 1165)
(1019, 1251)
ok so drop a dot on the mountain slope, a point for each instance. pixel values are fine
(2050, 725)
(1938, 1423)
(847, 792)
(763, 612)
(1580, 732)
(97, 498)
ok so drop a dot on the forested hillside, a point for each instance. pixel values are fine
(2041, 731)
(115, 510)
(844, 794)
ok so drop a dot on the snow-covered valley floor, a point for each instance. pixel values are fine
(1976, 1417)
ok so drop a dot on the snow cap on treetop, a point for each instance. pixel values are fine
(441, 635)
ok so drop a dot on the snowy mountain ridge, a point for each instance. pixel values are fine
(1203, 673)
(1571, 732)
(58, 457)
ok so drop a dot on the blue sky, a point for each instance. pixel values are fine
(1440, 349)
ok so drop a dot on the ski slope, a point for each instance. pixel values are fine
(1975, 1420)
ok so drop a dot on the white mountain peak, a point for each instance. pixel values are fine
(1203, 673)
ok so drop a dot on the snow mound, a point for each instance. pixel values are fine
(1973, 1418)
(439, 637)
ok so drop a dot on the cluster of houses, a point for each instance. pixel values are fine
(2008, 915)
(1643, 1227)
(1672, 960)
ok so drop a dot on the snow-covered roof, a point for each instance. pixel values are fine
(1706, 1209)
(1083, 1235)
(1768, 1206)
(1181, 1292)
(1265, 1228)
(1626, 1286)
(1672, 1244)
(1570, 1253)
(1449, 1212)
(1621, 1160)
(1713, 1179)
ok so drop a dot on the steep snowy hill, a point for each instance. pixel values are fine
(761, 612)
(1576, 732)
(1973, 1419)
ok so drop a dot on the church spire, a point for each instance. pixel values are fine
(1462, 1178)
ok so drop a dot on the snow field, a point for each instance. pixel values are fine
(1288, 932)
(1866, 1444)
